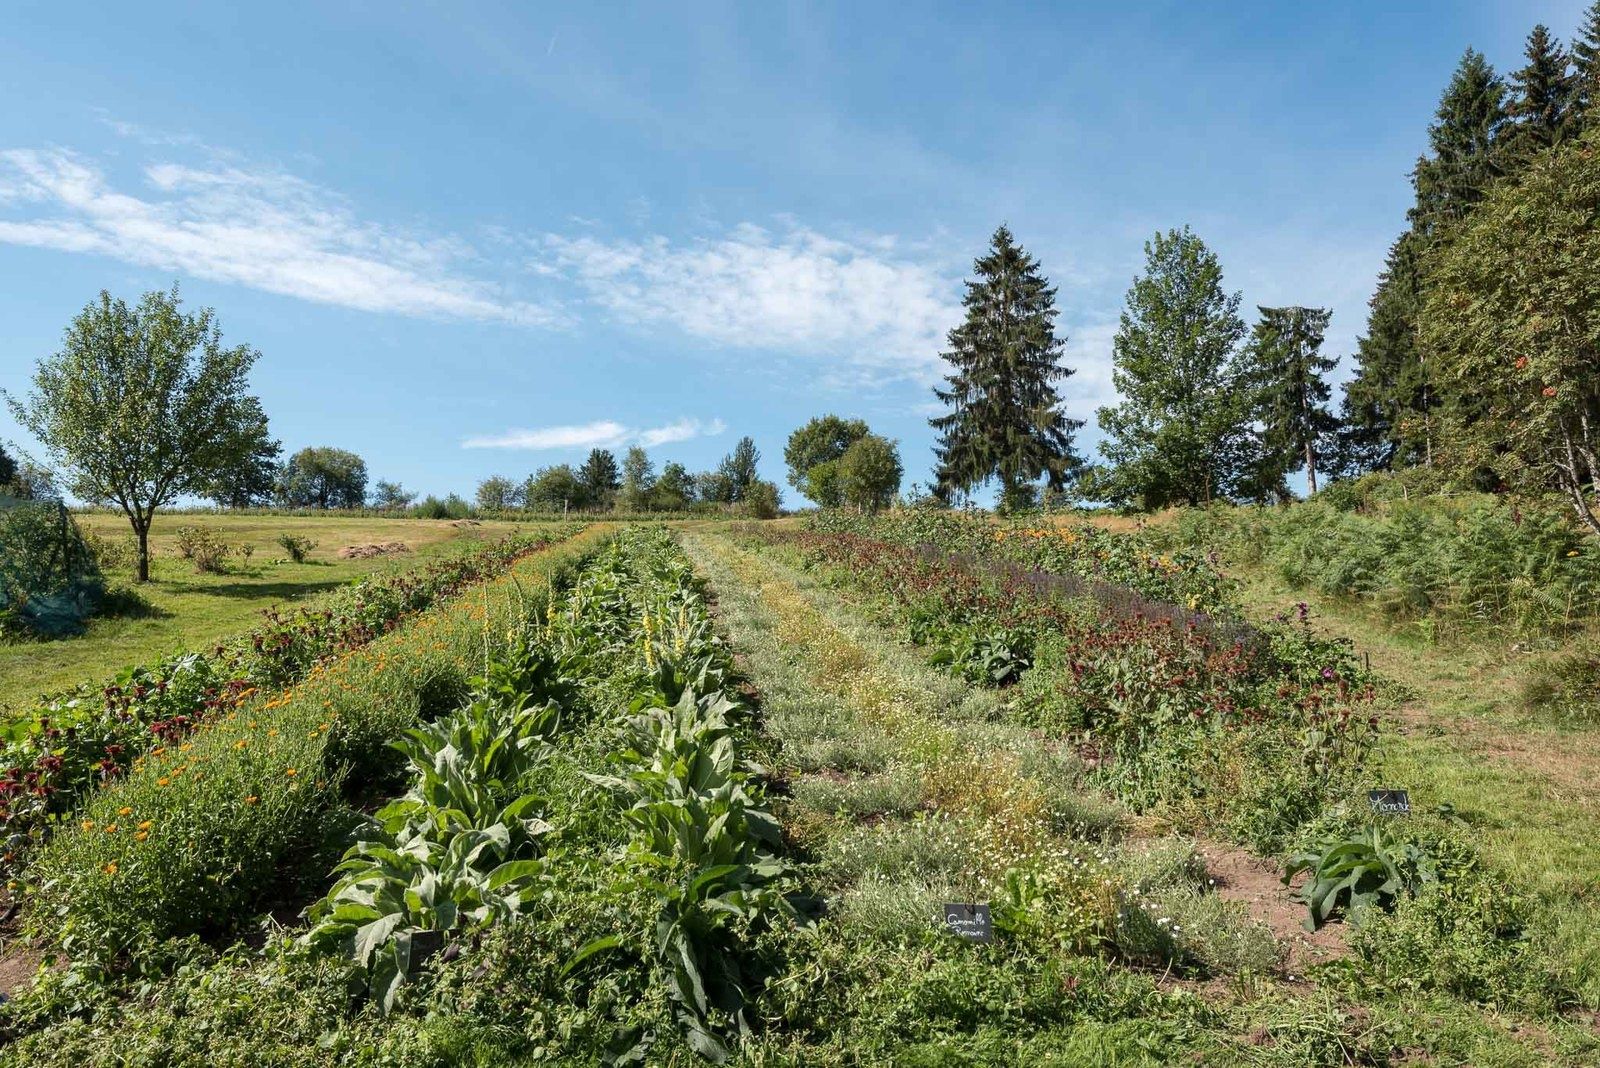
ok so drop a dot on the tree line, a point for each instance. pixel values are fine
(1481, 355)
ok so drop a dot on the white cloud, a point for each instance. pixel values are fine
(601, 434)
(682, 430)
(798, 291)
(254, 227)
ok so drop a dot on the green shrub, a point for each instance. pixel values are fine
(1564, 690)
(1371, 869)
(50, 583)
(296, 545)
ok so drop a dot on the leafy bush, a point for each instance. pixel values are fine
(205, 547)
(296, 545)
(1565, 690)
(50, 583)
(1371, 869)
(458, 851)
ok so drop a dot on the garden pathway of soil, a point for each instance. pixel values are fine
(1258, 885)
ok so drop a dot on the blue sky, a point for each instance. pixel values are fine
(475, 239)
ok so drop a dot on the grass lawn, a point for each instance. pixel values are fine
(1461, 736)
(189, 610)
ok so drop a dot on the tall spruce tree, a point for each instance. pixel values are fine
(1465, 140)
(1289, 371)
(1386, 415)
(1181, 433)
(1586, 70)
(1541, 100)
(1005, 420)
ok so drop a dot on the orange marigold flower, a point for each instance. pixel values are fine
(110, 868)
(141, 836)
(163, 781)
(240, 744)
(124, 811)
(252, 799)
(145, 825)
(111, 828)
(87, 825)
(290, 772)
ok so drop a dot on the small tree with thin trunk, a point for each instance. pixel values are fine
(143, 405)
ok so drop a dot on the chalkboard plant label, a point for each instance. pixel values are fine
(970, 922)
(1389, 802)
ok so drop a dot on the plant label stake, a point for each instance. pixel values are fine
(1390, 802)
(970, 922)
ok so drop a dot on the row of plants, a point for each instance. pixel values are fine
(1139, 567)
(199, 832)
(1269, 742)
(1246, 728)
(579, 865)
(90, 736)
(1441, 565)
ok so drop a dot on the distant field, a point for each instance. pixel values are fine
(190, 610)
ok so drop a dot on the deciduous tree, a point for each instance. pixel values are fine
(1530, 350)
(1179, 433)
(869, 473)
(142, 405)
(812, 454)
(323, 477)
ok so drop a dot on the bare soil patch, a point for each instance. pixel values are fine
(1258, 885)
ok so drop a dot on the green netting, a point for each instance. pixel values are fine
(49, 581)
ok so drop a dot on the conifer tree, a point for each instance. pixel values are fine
(599, 477)
(1541, 101)
(1005, 420)
(1386, 414)
(1465, 139)
(1288, 368)
(1586, 70)
(1182, 430)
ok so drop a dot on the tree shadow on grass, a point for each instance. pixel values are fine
(277, 591)
(123, 602)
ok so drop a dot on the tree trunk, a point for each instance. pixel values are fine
(1311, 467)
(141, 531)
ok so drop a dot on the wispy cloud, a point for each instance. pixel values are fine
(254, 227)
(682, 430)
(601, 434)
(798, 291)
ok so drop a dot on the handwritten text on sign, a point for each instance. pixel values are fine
(970, 922)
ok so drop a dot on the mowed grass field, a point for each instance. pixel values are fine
(187, 610)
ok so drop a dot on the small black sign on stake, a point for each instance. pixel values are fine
(1390, 802)
(970, 922)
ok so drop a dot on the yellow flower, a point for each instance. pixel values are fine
(252, 799)
(240, 744)
(163, 781)
(110, 868)
(141, 836)
(146, 825)
(111, 828)
(87, 825)
(1573, 552)
(290, 772)
(124, 811)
